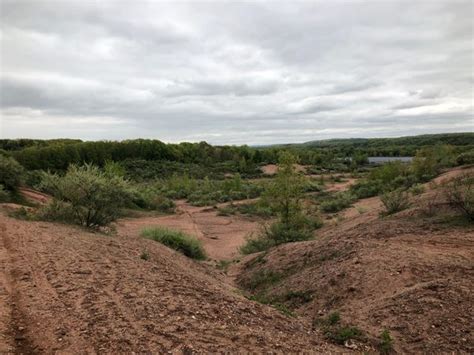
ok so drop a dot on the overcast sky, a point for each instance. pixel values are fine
(235, 72)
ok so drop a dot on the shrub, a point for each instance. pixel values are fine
(428, 161)
(337, 202)
(176, 240)
(86, 196)
(10, 173)
(366, 189)
(337, 332)
(465, 158)
(460, 194)
(262, 279)
(395, 201)
(4, 195)
(299, 228)
(386, 342)
(340, 335)
(417, 189)
(255, 244)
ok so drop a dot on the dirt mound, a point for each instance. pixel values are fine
(69, 291)
(406, 273)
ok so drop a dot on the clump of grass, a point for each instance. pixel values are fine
(417, 189)
(263, 299)
(460, 195)
(395, 201)
(337, 202)
(386, 342)
(262, 279)
(176, 240)
(224, 265)
(340, 335)
(337, 332)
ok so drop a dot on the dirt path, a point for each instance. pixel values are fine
(221, 235)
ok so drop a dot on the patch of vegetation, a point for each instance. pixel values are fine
(224, 265)
(385, 342)
(261, 298)
(337, 332)
(416, 189)
(85, 195)
(176, 240)
(259, 209)
(4, 195)
(460, 195)
(11, 173)
(395, 201)
(255, 244)
(262, 279)
(337, 202)
(285, 197)
(23, 214)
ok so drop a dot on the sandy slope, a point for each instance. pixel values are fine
(405, 273)
(68, 291)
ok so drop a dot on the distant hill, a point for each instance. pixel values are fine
(466, 138)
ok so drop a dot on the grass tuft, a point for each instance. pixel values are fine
(176, 240)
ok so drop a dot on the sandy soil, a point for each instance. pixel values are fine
(64, 290)
(403, 273)
(221, 235)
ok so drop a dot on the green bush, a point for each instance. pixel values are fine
(465, 158)
(4, 195)
(417, 189)
(430, 160)
(340, 335)
(460, 194)
(176, 240)
(395, 201)
(86, 196)
(299, 228)
(335, 331)
(338, 202)
(11, 173)
(255, 244)
(150, 199)
(365, 189)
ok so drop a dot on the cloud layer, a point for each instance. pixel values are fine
(233, 73)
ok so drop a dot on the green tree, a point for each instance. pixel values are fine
(286, 192)
(284, 196)
(11, 173)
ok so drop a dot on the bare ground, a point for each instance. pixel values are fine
(64, 290)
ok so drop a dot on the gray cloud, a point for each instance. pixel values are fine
(233, 72)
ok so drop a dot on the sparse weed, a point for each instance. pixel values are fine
(395, 201)
(335, 331)
(386, 342)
